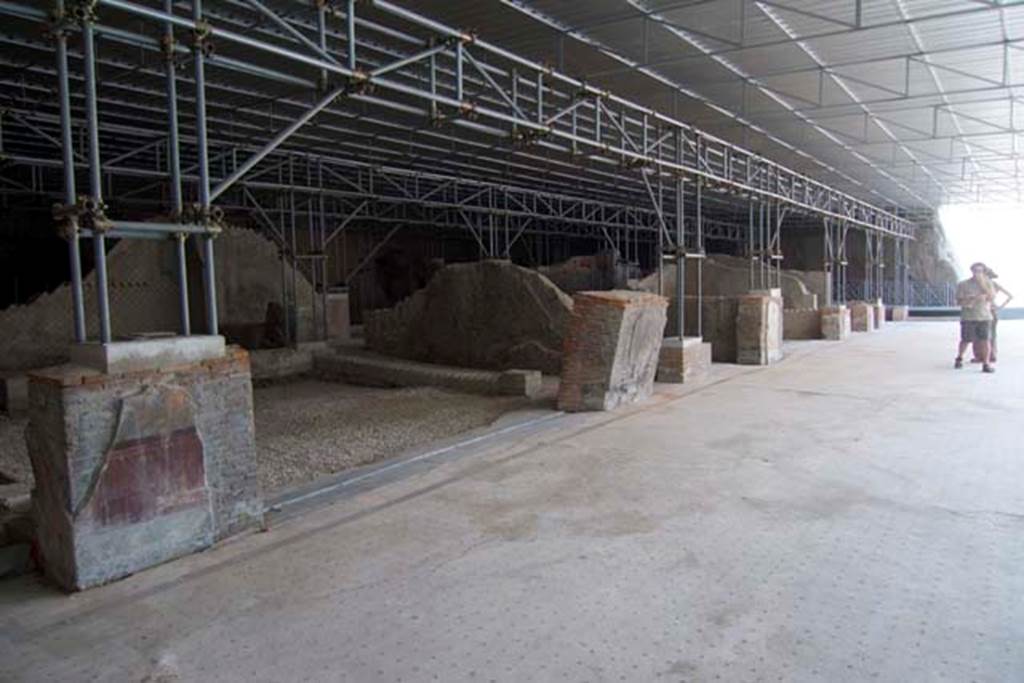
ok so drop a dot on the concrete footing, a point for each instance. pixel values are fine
(759, 324)
(836, 323)
(862, 316)
(147, 353)
(898, 313)
(135, 468)
(683, 360)
(879, 313)
(611, 349)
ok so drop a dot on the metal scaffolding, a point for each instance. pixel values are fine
(366, 114)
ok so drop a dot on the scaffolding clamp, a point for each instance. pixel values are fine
(210, 217)
(201, 38)
(81, 11)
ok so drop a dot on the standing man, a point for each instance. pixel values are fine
(975, 296)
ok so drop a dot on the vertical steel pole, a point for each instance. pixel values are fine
(700, 259)
(174, 169)
(68, 157)
(680, 242)
(458, 71)
(209, 270)
(350, 32)
(95, 178)
(321, 29)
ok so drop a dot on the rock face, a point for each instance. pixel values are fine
(611, 349)
(488, 314)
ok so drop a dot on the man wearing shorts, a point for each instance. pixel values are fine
(975, 296)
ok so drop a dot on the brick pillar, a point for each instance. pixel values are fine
(759, 326)
(611, 349)
(138, 467)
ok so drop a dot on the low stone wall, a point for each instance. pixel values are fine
(611, 349)
(370, 369)
(134, 469)
(804, 323)
(274, 364)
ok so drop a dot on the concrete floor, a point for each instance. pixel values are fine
(855, 513)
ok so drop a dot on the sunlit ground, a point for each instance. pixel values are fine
(992, 233)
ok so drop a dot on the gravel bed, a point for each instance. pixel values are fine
(307, 429)
(14, 463)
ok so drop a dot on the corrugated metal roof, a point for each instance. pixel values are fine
(914, 70)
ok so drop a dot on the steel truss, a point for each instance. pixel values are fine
(449, 130)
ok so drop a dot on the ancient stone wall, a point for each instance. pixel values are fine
(487, 314)
(143, 293)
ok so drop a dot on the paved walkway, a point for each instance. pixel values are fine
(855, 513)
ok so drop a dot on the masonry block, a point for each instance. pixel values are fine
(862, 316)
(611, 349)
(801, 323)
(898, 313)
(835, 323)
(683, 360)
(136, 468)
(759, 326)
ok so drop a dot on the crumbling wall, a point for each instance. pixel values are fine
(730, 276)
(143, 298)
(488, 314)
(143, 291)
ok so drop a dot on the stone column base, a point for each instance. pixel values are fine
(759, 325)
(683, 360)
(835, 323)
(142, 466)
(879, 313)
(899, 314)
(862, 316)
